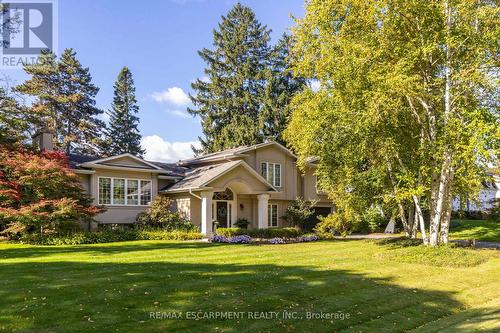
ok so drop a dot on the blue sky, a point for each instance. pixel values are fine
(158, 40)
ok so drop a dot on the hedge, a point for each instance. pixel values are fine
(108, 237)
(258, 233)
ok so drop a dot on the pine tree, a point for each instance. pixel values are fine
(14, 121)
(123, 135)
(230, 101)
(281, 86)
(65, 101)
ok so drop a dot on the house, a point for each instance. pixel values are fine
(488, 196)
(255, 182)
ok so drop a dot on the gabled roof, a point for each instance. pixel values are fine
(200, 177)
(233, 152)
(85, 163)
(111, 158)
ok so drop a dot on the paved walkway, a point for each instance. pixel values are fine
(463, 242)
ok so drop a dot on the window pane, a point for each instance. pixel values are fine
(264, 169)
(277, 175)
(145, 192)
(104, 191)
(270, 174)
(118, 191)
(132, 192)
(269, 215)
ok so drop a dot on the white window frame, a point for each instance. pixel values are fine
(139, 194)
(318, 190)
(273, 165)
(270, 216)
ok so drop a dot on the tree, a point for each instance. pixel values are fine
(281, 86)
(14, 121)
(299, 212)
(10, 23)
(406, 115)
(65, 101)
(230, 101)
(123, 135)
(39, 192)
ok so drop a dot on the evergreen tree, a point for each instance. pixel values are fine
(65, 101)
(14, 121)
(230, 101)
(123, 135)
(281, 86)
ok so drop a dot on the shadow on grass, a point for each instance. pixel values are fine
(99, 296)
(99, 249)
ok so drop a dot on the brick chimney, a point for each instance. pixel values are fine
(43, 139)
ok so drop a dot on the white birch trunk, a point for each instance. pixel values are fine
(418, 212)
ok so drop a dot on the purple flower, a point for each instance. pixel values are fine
(241, 239)
(277, 240)
(219, 239)
(307, 238)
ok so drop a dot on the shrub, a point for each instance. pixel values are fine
(108, 236)
(298, 213)
(40, 193)
(259, 233)
(337, 223)
(242, 223)
(230, 232)
(160, 215)
(371, 221)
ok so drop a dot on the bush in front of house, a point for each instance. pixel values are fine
(160, 216)
(298, 213)
(108, 236)
(338, 223)
(258, 233)
(242, 223)
(39, 193)
(277, 240)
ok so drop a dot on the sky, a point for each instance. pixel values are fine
(158, 40)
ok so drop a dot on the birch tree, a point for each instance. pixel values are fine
(407, 113)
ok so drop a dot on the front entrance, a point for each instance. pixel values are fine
(222, 213)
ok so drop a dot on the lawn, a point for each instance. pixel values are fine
(374, 287)
(484, 230)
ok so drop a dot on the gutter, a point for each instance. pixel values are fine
(194, 195)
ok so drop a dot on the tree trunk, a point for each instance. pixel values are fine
(446, 216)
(418, 212)
(411, 222)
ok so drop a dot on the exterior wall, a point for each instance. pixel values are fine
(309, 188)
(240, 175)
(273, 154)
(119, 213)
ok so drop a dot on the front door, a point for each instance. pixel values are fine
(222, 211)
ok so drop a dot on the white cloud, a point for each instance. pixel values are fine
(174, 95)
(160, 150)
(179, 113)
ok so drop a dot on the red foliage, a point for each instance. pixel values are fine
(40, 190)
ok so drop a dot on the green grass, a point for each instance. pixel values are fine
(482, 230)
(114, 287)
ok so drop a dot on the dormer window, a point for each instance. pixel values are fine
(272, 173)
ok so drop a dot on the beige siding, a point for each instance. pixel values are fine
(310, 193)
(126, 161)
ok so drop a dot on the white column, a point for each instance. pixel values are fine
(234, 211)
(206, 212)
(262, 210)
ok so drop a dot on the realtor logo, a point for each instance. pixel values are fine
(27, 28)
